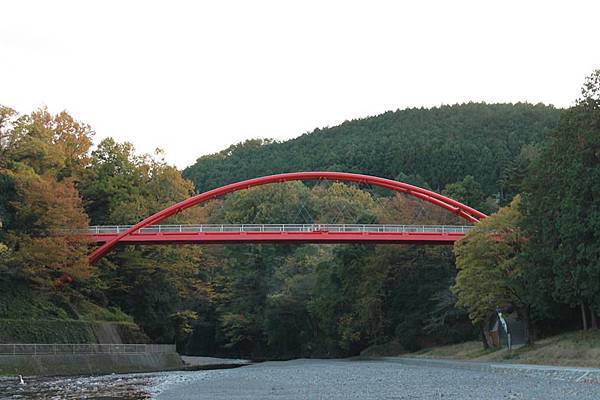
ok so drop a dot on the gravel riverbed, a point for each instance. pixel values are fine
(365, 380)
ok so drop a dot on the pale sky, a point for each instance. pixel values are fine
(193, 77)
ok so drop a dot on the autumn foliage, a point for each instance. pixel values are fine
(43, 156)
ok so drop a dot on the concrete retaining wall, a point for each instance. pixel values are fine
(87, 364)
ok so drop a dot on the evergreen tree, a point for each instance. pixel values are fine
(561, 207)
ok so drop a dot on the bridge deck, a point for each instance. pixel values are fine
(308, 233)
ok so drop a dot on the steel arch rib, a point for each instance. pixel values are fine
(464, 211)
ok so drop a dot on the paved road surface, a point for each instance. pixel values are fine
(366, 380)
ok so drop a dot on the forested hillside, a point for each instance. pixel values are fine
(431, 147)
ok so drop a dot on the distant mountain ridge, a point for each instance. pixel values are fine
(433, 146)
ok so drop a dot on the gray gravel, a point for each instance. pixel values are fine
(379, 379)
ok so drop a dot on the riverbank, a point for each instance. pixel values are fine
(98, 364)
(87, 364)
(574, 349)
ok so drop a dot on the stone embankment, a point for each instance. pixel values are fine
(86, 359)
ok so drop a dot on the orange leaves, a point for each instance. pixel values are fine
(44, 260)
(48, 206)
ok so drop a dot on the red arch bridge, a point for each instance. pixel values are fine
(149, 231)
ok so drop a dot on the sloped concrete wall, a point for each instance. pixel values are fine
(87, 364)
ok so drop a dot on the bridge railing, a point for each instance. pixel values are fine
(211, 228)
(33, 349)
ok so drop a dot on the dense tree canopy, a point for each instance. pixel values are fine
(150, 283)
(281, 300)
(43, 156)
(542, 254)
(562, 208)
(430, 147)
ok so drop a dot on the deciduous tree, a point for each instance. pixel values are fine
(491, 271)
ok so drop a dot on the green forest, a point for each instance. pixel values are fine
(534, 169)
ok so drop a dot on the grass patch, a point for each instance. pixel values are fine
(92, 312)
(573, 348)
(32, 316)
(69, 331)
(577, 349)
(392, 348)
(45, 331)
(19, 301)
(467, 350)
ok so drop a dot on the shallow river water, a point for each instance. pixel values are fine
(306, 379)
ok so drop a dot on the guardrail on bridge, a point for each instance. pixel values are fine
(301, 228)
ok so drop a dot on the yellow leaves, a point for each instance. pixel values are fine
(183, 321)
(54, 145)
(486, 260)
(165, 187)
(7, 117)
(342, 203)
(275, 203)
(121, 187)
(349, 330)
(237, 328)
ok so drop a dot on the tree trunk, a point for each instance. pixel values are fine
(483, 337)
(584, 317)
(593, 318)
(528, 325)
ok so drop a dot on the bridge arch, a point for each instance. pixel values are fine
(462, 210)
